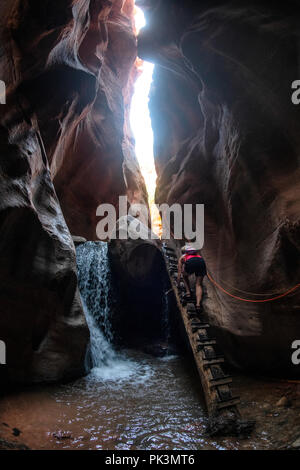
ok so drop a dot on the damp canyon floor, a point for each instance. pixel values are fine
(158, 407)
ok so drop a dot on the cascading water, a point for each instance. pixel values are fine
(95, 285)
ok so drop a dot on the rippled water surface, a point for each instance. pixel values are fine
(150, 404)
(146, 409)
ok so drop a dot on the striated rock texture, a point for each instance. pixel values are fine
(227, 135)
(64, 149)
(94, 160)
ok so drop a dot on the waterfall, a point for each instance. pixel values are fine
(95, 285)
(95, 288)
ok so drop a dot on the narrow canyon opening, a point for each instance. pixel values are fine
(126, 299)
(141, 125)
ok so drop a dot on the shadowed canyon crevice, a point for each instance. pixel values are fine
(226, 135)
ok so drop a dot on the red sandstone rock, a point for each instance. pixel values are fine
(227, 136)
(67, 66)
(100, 148)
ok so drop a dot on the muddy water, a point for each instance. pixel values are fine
(157, 407)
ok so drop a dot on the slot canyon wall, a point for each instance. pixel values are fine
(66, 147)
(227, 135)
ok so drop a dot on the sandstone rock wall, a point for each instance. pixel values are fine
(65, 148)
(229, 138)
(94, 161)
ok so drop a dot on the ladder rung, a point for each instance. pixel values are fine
(195, 329)
(203, 338)
(206, 343)
(220, 381)
(192, 316)
(213, 357)
(203, 326)
(213, 362)
(206, 340)
(227, 403)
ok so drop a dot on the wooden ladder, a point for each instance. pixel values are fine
(215, 383)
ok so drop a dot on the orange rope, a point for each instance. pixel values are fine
(254, 301)
(267, 294)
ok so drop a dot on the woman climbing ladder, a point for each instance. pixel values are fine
(192, 263)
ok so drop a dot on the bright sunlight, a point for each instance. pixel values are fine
(141, 126)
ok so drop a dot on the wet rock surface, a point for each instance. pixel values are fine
(7, 442)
